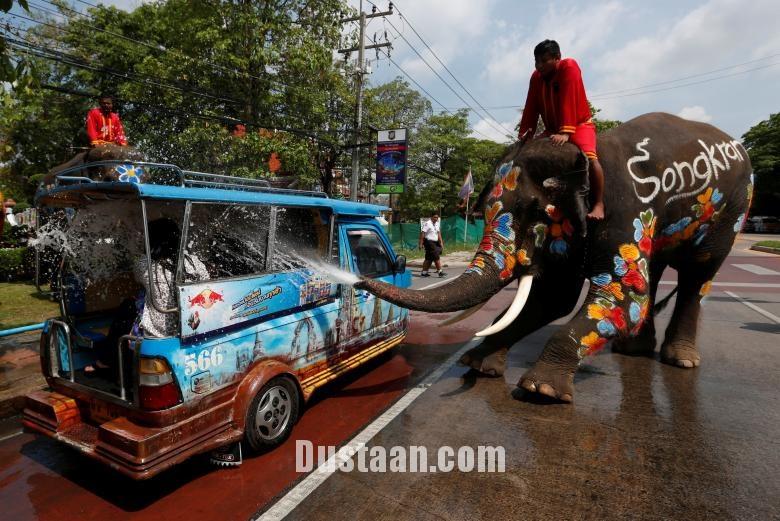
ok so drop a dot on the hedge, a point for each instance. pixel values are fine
(17, 264)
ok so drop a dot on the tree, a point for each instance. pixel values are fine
(185, 73)
(395, 105)
(762, 142)
(441, 157)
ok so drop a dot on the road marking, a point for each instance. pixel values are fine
(758, 270)
(317, 477)
(435, 284)
(752, 306)
(734, 284)
(14, 435)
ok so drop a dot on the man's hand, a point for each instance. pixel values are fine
(559, 139)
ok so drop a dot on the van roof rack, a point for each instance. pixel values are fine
(193, 179)
(187, 179)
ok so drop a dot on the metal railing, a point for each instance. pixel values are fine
(134, 348)
(186, 178)
(66, 330)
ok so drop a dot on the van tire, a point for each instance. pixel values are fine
(272, 414)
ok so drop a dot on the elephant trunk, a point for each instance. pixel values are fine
(468, 290)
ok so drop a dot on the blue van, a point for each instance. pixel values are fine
(208, 297)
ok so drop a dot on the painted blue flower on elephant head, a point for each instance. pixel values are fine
(504, 169)
(130, 173)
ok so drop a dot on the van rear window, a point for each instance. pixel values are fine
(233, 240)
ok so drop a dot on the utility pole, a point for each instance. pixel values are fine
(361, 48)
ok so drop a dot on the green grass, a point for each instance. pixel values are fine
(22, 305)
(768, 244)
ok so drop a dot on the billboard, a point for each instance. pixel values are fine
(391, 161)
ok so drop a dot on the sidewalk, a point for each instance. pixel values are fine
(20, 371)
(458, 259)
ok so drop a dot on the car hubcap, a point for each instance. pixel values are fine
(273, 412)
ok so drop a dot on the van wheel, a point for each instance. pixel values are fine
(272, 414)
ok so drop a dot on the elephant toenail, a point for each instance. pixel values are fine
(685, 363)
(547, 390)
(566, 397)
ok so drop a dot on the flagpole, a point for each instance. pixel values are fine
(466, 220)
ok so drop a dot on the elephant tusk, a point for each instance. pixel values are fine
(462, 315)
(523, 290)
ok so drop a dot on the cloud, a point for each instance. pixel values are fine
(578, 29)
(695, 113)
(484, 130)
(447, 27)
(717, 33)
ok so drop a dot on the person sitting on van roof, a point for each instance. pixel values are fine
(164, 238)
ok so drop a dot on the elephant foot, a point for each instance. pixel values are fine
(680, 353)
(549, 380)
(642, 345)
(488, 360)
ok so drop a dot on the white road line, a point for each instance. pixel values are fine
(14, 435)
(752, 306)
(733, 284)
(758, 270)
(436, 284)
(297, 494)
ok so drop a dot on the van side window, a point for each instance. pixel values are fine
(232, 240)
(301, 234)
(368, 253)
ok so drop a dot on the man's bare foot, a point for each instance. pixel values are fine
(597, 212)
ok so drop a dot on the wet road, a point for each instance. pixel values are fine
(642, 440)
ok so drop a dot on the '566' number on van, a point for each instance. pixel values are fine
(202, 361)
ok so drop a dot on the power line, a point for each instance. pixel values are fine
(160, 47)
(448, 70)
(61, 57)
(488, 119)
(126, 75)
(428, 93)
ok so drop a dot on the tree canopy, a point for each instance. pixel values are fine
(762, 142)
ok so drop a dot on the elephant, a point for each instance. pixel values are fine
(104, 152)
(677, 193)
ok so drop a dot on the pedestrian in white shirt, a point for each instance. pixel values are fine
(430, 239)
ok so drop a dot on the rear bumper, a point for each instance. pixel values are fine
(137, 451)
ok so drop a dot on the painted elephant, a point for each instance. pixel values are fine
(105, 152)
(676, 195)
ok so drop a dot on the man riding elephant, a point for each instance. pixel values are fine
(679, 192)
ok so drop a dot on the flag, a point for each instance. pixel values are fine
(468, 186)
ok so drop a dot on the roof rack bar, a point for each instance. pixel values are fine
(191, 178)
(109, 162)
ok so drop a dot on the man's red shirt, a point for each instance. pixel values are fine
(103, 129)
(561, 101)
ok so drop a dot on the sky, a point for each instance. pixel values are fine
(716, 61)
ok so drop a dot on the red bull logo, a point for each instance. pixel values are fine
(205, 299)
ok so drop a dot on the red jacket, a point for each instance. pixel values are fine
(102, 129)
(561, 101)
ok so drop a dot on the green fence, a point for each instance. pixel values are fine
(407, 235)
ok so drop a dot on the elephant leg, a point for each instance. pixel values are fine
(489, 357)
(616, 306)
(679, 346)
(643, 342)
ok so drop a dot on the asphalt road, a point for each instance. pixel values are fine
(642, 439)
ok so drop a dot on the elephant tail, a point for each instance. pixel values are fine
(661, 304)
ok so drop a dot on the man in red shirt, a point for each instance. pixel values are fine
(556, 93)
(103, 125)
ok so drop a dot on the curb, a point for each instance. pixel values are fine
(766, 249)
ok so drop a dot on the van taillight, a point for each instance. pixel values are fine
(157, 388)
